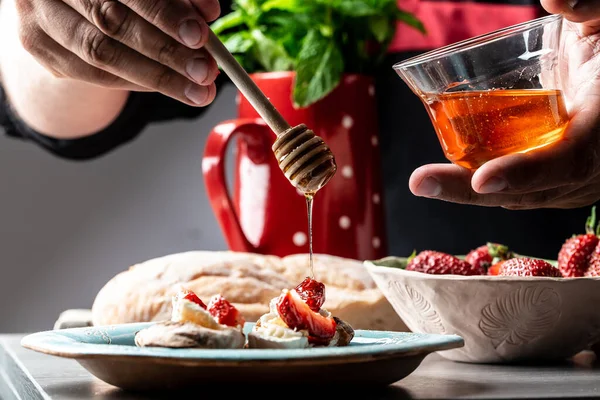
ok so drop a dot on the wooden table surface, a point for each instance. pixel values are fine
(27, 375)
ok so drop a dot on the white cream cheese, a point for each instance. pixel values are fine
(187, 311)
(271, 332)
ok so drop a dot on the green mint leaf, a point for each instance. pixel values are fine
(239, 42)
(270, 53)
(380, 27)
(290, 30)
(232, 20)
(355, 8)
(319, 68)
(250, 11)
(284, 5)
(410, 20)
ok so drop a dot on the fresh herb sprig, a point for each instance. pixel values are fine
(318, 39)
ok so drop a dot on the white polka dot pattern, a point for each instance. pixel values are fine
(374, 140)
(347, 172)
(376, 242)
(376, 198)
(347, 122)
(345, 222)
(299, 239)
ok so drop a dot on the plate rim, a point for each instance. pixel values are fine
(198, 357)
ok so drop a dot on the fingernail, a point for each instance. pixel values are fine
(429, 187)
(493, 185)
(572, 3)
(190, 32)
(197, 94)
(197, 69)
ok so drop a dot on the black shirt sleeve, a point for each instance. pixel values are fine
(141, 109)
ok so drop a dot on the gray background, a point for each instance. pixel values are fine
(68, 227)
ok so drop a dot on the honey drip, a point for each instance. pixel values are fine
(309, 210)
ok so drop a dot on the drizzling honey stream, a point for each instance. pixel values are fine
(304, 158)
(309, 164)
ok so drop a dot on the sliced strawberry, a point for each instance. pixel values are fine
(298, 315)
(224, 312)
(312, 292)
(191, 296)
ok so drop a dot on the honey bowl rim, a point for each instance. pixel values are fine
(476, 41)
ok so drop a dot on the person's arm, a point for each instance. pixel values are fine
(56, 107)
(563, 175)
(74, 70)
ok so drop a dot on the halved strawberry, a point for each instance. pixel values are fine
(191, 296)
(224, 312)
(312, 292)
(298, 316)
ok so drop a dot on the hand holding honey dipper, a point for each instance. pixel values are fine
(565, 174)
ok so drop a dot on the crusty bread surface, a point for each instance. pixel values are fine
(143, 293)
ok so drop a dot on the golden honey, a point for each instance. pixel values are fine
(476, 126)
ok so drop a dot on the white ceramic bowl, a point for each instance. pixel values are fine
(501, 319)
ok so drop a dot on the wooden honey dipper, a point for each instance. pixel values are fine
(304, 158)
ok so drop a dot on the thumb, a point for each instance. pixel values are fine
(586, 12)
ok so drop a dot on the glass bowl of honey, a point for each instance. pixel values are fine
(495, 94)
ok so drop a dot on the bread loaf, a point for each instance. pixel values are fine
(143, 293)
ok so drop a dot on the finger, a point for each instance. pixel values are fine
(122, 24)
(178, 19)
(586, 12)
(76, 34)
(452, 183)
(62, 63)
(209, 9)
(572, 160)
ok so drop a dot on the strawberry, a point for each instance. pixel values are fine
(312, 292)
(495, 269)
(594, 264)
(191, 296)
(435, 262)
(528, 267)
(487, 255)
(298, 316)
(575, 253)
(224, 312)
(479, 257)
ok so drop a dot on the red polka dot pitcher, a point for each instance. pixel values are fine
(265, 213)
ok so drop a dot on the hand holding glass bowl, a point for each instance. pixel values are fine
(517, 112)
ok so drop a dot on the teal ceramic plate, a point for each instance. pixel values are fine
(109, 353)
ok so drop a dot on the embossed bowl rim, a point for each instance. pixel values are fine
(375, 265)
